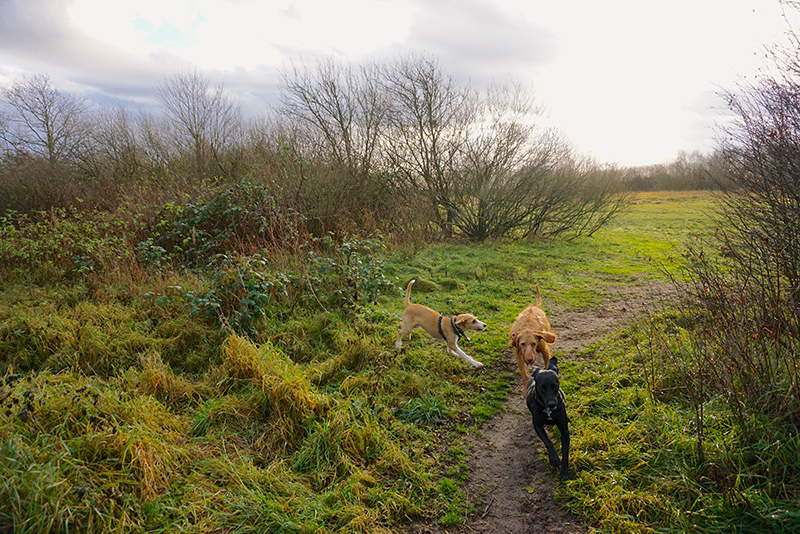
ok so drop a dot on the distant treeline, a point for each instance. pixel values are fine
(398, 146)
(688, 172)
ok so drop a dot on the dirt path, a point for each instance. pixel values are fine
(511, 486)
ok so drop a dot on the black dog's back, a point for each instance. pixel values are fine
(547, 405)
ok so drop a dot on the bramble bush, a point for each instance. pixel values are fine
(349, 270)
(240, 218)
(65, 239)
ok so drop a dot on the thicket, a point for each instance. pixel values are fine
(164, 379)
(748, 284)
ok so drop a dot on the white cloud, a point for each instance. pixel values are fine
(226, 35)
(625, 84)
(627, 80)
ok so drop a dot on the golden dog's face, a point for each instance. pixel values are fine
(526, 342)
(467, 321)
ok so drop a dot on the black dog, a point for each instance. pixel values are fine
(547, 404)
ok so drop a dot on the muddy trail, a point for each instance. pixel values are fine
(511, 484)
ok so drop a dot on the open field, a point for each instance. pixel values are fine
(125, 406)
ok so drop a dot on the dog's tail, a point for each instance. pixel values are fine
(408, 292)
(538, 297)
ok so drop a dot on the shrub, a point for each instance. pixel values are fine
(65, 239)
(236, 219)
(349, 270)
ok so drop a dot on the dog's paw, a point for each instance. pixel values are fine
(564, 475)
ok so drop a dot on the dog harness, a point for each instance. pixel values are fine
(540, 402)
(459, 333)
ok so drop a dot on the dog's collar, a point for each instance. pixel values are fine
(458, 332)
(540, 402)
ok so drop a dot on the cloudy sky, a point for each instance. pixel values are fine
(631, 82)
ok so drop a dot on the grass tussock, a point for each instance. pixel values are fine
(83, 453)
(288, 391)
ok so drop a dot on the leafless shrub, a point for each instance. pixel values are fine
(398, 146)
(749, 329)
(747, 281)
(333, 123)
(206, 122)
(29, 184)
(113, 148)
(342, 109)
(485, 166)
(44, 132)
(428, 127)
(577, 198)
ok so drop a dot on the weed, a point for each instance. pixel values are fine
(62, 239)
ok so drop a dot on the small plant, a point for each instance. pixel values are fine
(424, 410)
(351, 269)
(151, 255)
(245, 290)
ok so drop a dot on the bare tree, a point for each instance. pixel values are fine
(488, 169)
(505, 164)
(207, 123)
(750, 293)
(688, 171)
(335, 116)
(6, 148)
(113, 149)
(44, 121)
(406, 129)
(342, 108)
(429, 125)
(158, 146)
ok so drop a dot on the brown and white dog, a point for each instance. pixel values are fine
(439, 326)
(531, 333)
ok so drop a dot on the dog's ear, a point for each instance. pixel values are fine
(549, 337)
(553, 364)
(535, 372)
(513, 341)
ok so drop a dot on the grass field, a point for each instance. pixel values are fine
(124, 407)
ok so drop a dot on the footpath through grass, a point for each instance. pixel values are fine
(126, 406)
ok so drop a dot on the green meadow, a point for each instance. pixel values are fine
(160, 400)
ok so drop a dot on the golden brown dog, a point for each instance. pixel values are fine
(438, 325)
(531, 333)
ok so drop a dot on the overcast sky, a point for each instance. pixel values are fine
(631, 82)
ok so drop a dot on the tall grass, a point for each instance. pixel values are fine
(250, 396)
(649, 459)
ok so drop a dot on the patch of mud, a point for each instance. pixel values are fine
(511, 484)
